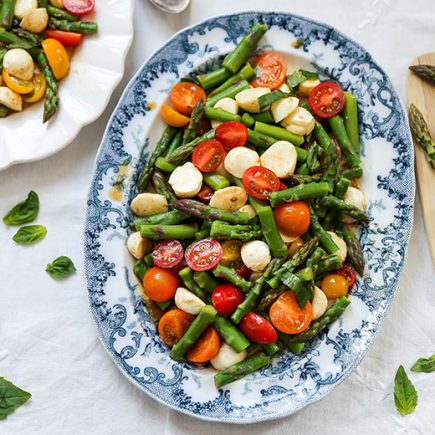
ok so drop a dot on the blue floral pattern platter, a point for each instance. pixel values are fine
(125, 327)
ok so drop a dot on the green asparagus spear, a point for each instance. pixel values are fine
(245, 48)
(3, 52)
(161, 232)
(182, 153)
(205, 317)
(149, 260)
(42, 3)
(86, 27)
(230, 92)
(186, 275)
(278, 133)
(271, 349)
(302, 254)
(354, 251)
(175, 143)
(215, 181)
(331, 314)
(9, 38)
(348, 209)
(163, 164)
(350, 117)
(270, 296)
(426, 72)
(270, 230)
(340, 191)
(3, 111)
(324, 238)
(303, 191)
(162, 187)
(264, 117)
(51, 94)
(33, 38)
(213, 78)
(204, 232)
(140, 268)
(337, 126)
(7, 13)
(421, 133)
(200, 210)
(296, 179)
(224, 231)
(246, 73)
(332, 159)
(258, 139)
(328, 264)
(231, 334)
(224, 272)
(166, 218)
(195, 120)
(60, 14)
(248, 120)
(315, 257)
(220, 114)
(205, 281)
(295, 348)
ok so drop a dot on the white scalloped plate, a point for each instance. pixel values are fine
(96, 69)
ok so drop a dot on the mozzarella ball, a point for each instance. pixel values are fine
(248, 209)
(35, 20)
(300, 121)
(284, 88)
(282, 108)
(137, 245)
(307, 86)
(227, 357)
(147, 204)
(187, 301)
(319, 303)
(24, 6)
(248, 99)
(18, 63)
(239, 159)
(280, 158)
(255, 255)
(11, 99)
(228, 104)
(357, 198)
(342, 247)
(229, 198)
(186, 180)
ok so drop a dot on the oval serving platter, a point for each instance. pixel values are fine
(125, 327)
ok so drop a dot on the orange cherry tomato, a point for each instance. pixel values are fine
(39, 89)
(160, 284)
(57, 57)
(206, 347)
(334, 286)
(173, 325)
(17, 85)
(287, 317)
(172, 117)
(185, 95)
(273, 70)
(292, 218)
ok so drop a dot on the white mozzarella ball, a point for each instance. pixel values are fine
(300, 121)
(307, 86)
(227, 357)
(255, 255)
(186, 180)
(187, 301)
(137, 245)
(248, 99)
(319, 303)
(147, 204)
(342, 247)
(239, 159)
(35, 20)
(282, 108)
(357, 198)
(24, 6)
(248, 209)
(11, 99)
(18, 63)
(284, 88)
(227, 104)
(229, 198)
(280, 158)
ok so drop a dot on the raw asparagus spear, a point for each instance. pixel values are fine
(86, 27)
(195, 119)
(224, 272)
(215, 181)
(162, 187)
(220, 114)
(163, 164)
(350, 117)
(182, 153)
(278, 133)
(354, 251)
(426, 72)
(248, 120)
(246, 73)
(60, 14)
(175, 143)
(324, 238)
(339, 204)
(205, 318)
(51, 94)
(161, 232)
(186, 275)
(224, 231)
(230, 92)
(303, 191)
(332, 158)
(166, 218)
(7, 13)
(231, 334)
(421, 133)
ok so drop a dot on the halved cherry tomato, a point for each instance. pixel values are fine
(160, 284)
(282, 186)
(326, 99)
(244, 272)
(206, 193)
(260, 182)
(286, 315)
(67, 39)
(172, 117)
(79, 7)
(185, 95)
(208, 155)
(273, 70)
(334, 286)
(203, 127)
(173, 325)
(226, 298)
(17, 85)
(349, 273)
(168, 253)
(295, 246)
(292, 218)
(206, 347)
(258, 329)
(57, 57)
(204, 254)
(232, 134)
(231, 253)
(39, 89)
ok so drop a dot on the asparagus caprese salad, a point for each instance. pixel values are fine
(243, 226)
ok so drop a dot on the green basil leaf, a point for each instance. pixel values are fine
(29, 234)
(61, 267)
(266, 100)
(11, 397)
(24, 212)
(405, 394)
(425, 365)
(309, 75)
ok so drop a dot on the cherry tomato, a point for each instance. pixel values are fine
(273, 70)
(205, 194)
(17, 85)
(204, 254)
(67, 39)
(208, 155)
(231, 256)
(57, 57)
(206, 347)
(232, 134)
(334, 286)
(286, 315)
(260, 182)
(203, 127)
(160, 284)
(226, 298)
(168, 253)
(244, 272)
(173, 325)
(79, 7)
(172, 117)
(282, 186)
(349, 273)
(292, 218)
(295, 246)
(39, 89)
(185, 95)
(326, 99)
(258, 329)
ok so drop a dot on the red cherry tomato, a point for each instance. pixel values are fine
(282, 186)
(208, 155)
(204, 254)
(226, 298)
(349, 273)
(232, 134)
(67, 39)
(292, 218)
(273, 70)
(326, 99)
(168, 253)
(205, 193)
(258, 329)
(244, 272)
(260, 182)
(79, 7)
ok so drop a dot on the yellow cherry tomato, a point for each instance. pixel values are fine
(295, 246)
(38, 91)
(172, 117)
(334, 286)
(57, 57)
(17, 85)
(231, 253)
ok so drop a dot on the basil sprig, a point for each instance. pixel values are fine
(30, 234)
(61, 267)
(11, 397)
(405, 394)
(24, 212)
(425, 365)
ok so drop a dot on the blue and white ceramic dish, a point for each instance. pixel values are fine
(125, 327)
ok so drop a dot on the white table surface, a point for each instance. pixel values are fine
(48, 341)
